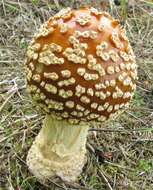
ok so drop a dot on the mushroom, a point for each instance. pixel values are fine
(80, 69)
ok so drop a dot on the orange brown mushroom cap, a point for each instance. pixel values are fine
(80, 66)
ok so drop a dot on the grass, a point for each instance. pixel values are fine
(120, 156)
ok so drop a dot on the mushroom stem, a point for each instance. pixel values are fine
(58, 150)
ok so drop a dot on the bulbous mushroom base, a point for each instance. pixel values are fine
(58, 151)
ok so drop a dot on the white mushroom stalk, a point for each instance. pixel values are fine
(58, 150)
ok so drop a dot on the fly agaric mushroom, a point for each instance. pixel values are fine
(80, 69)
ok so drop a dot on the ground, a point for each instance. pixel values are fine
(120, 153)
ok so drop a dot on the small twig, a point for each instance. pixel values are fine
(136, 118)
(90, 147)
(7, 89)
(7, 99)
(144, 10)
(105, 179)
(11, 135)
(19, 131)
(54, 183)
(123, 130)
(3, 7)
(74, 185)
(118, 166)
(77, 186)
(109, 130)
(18, 157)
(9, 179)
(100, 171)
(26, 180)
(136, 108)
(143, 89)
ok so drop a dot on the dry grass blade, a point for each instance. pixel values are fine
(122, 130)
